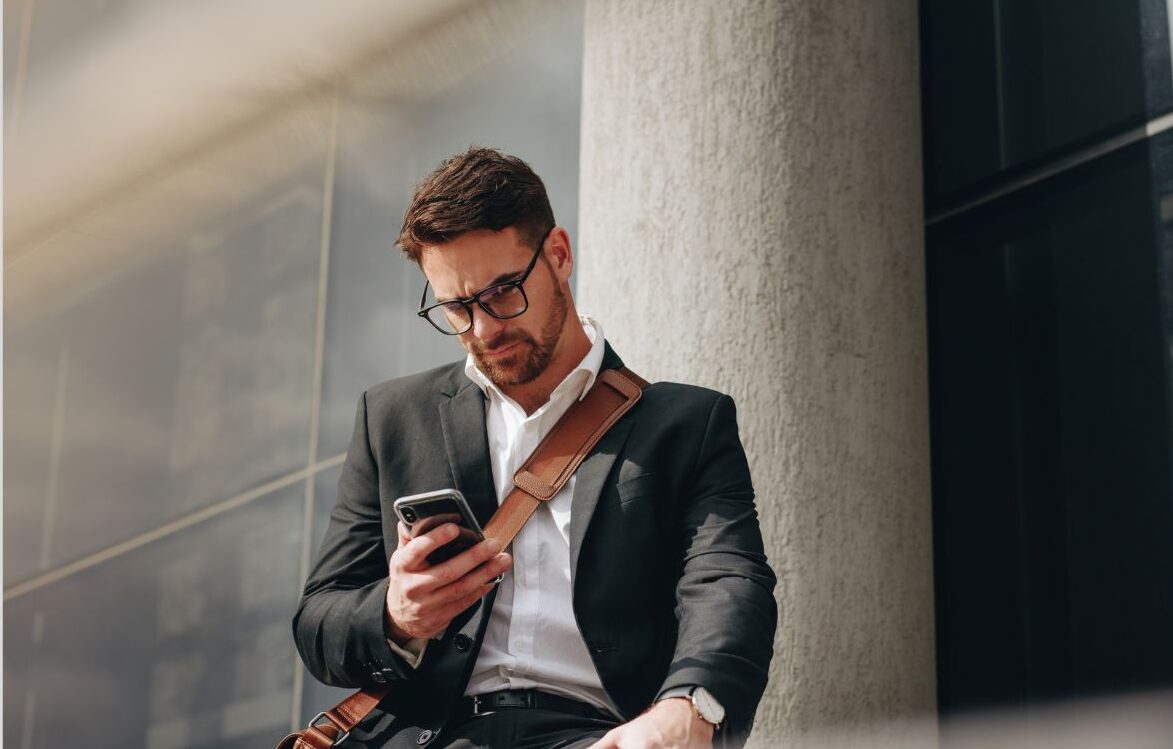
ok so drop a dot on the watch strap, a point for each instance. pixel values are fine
(685, 691)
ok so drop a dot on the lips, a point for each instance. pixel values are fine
(502, 350)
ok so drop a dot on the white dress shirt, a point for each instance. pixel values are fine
(532, 640)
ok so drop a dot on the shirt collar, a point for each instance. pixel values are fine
(585, 372)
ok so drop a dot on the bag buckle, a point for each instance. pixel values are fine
(344, 735)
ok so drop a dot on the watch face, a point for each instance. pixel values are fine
(707, 706)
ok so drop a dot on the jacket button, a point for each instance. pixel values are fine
(462, 642)
(424, 737)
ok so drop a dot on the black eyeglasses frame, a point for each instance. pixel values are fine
(518, 283)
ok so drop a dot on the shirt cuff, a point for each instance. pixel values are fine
(411, 651)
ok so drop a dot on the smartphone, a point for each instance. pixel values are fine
(423, 512)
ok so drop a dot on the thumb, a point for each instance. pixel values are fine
(607, 742)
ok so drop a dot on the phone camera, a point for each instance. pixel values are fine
(409, 515)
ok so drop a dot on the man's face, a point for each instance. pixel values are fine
(517, 350)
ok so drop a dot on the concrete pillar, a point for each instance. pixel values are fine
(751, 220)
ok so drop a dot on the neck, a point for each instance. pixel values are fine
(572, 348)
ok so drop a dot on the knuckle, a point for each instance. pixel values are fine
(448, 595)
(420, 546)
(408, 558)
(464, 589)
(485, 551)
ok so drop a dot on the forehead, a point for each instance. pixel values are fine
(473, 261)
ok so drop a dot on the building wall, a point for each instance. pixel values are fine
(183, 360)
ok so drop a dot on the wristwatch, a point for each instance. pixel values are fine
(703, 702)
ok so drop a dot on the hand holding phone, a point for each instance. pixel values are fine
(441, 567)
(423, 512)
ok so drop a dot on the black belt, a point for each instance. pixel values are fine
(527, 699)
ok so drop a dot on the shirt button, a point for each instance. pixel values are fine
(462, 642)
(425, 736)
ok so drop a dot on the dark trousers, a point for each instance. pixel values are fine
(524, 729)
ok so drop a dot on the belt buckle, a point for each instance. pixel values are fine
(477, 705)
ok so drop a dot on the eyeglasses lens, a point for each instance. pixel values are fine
(453, 317)
(503, 301)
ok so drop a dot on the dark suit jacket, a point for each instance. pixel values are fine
(671, 584)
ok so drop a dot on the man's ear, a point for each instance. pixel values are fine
(559, 253)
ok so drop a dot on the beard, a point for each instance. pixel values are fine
(533, 355)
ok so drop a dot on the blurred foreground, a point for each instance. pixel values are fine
(1135, 722)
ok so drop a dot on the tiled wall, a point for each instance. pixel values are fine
(174, 428)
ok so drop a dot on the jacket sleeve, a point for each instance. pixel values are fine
(338, 626)
(724, 597)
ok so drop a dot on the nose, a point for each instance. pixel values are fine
(485, 327)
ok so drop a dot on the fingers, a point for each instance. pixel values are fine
(447, 612)
(461, 564)
(422, 598)
(433, 615)
(437, 609)
(470, 585)
(413, 555)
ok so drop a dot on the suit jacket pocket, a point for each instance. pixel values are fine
(641, 486)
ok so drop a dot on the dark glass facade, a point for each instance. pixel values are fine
(1011, 86)
(159, 446)
(1051, 348)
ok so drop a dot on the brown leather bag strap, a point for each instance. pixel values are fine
(558, 456)
(544, 474)
(339, 720)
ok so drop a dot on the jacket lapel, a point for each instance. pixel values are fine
(592, 473)
(588, 485)
(462, 418)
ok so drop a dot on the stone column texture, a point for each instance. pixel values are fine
(752, 221)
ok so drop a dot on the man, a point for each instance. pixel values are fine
(636, 607)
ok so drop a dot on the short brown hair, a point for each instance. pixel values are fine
(481, 188)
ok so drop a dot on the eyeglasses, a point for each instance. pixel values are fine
(501, 300)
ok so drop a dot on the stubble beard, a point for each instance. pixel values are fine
(527, 364)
